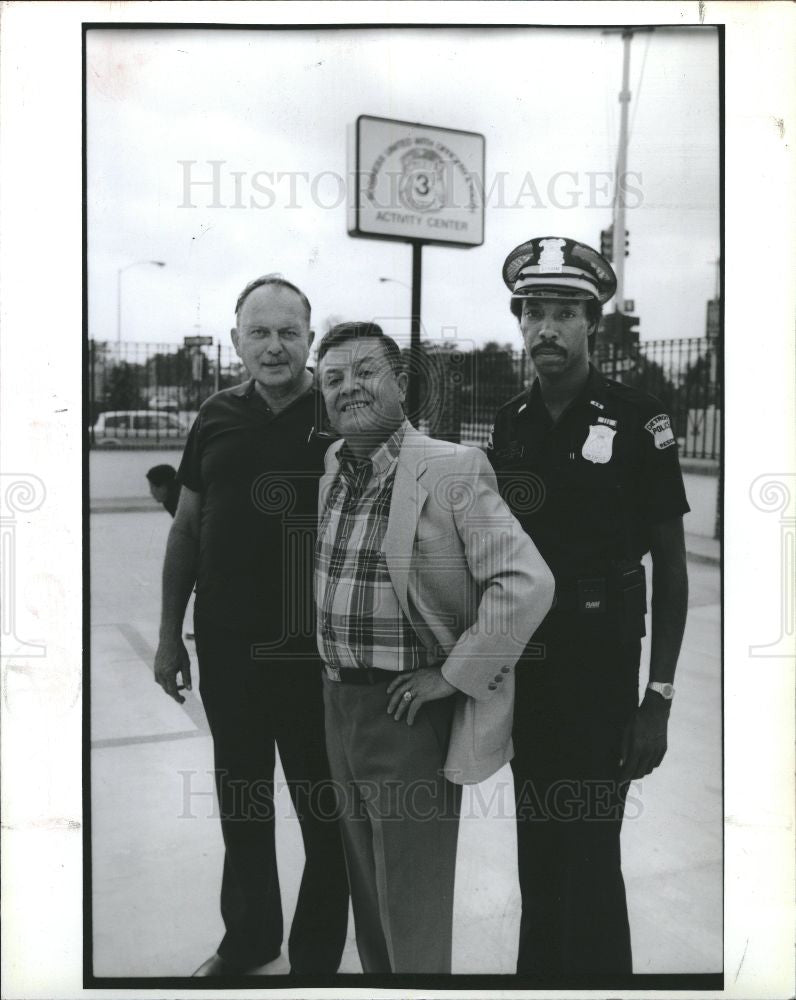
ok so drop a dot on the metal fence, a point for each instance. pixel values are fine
(686, 376)
(461, 391)
(146, 395)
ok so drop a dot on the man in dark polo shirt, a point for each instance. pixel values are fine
(244, 534)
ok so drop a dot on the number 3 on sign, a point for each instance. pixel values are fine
(422, 184)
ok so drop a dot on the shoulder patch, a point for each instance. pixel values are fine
(660, 427)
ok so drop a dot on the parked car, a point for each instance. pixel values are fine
(164, 403)
(115, 427)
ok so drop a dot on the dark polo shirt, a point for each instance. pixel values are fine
(257, 473)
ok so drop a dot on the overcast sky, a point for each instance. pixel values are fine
(280, 102)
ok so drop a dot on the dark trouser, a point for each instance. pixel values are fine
(400, 821)
(571, 706)
(250, 705)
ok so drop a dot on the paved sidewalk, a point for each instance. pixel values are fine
(156, 842)
(701, 549)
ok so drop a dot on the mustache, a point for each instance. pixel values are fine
(549, 348)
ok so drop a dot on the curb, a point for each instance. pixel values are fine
(703, 557)
(701, 549)
(125, 505)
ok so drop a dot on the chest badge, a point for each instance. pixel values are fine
(599, 445)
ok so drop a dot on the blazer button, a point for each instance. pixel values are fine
(504, 670)
(499, 678)
(492, 686)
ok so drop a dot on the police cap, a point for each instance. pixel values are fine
(554, 267)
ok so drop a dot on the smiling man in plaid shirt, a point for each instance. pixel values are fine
(359, 618)
(427, 591)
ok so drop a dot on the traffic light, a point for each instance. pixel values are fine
(607, 243)
(612, 328)
(620, 329)
(629, 329)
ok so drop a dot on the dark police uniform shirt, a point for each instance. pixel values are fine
(257, 473)
(588, 488)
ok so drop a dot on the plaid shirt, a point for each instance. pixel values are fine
(360, 622)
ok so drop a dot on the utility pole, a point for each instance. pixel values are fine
(620, 209)
(621, 171)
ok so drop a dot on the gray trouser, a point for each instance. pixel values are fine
(400, 822)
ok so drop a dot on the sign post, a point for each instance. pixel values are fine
(413, 390)
(418, 184)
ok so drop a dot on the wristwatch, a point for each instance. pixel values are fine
(664, 690)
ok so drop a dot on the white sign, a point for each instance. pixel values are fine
(416, 182)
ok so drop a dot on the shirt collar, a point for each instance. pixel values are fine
(382, 460)
(244, 390)
(248, 389)
(592, 388)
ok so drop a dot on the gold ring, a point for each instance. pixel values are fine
(408, 696)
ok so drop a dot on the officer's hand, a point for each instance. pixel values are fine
(172, 659)
(424, 685)
(644, 738)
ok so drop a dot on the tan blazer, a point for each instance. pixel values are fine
(471, 582)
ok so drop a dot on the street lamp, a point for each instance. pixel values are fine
(119, 273)
(396, 281)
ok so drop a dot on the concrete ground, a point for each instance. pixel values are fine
(156, 844)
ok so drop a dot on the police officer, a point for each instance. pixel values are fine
(589, 467)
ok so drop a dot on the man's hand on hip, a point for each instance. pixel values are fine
(411, 690)
(172, 660)
(644, 739)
